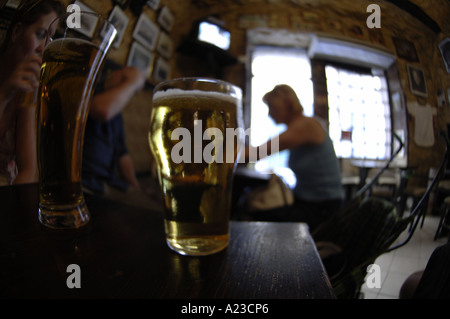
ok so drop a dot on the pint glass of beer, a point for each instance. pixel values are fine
(196, 136)
(70, 65)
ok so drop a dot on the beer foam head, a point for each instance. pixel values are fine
(178, 93)
(74, 40)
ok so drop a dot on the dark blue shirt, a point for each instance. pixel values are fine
(104, 144)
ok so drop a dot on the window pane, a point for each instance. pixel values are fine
(359, 114)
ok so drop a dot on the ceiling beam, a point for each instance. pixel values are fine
(417, 13)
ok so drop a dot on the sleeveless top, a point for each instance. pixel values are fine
(317, 170)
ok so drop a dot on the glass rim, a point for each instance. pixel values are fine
(198, 79)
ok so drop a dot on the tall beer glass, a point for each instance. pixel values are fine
(71, 63)
(195, 137)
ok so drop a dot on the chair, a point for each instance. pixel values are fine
(365, 229)
(444, 222)
(387, 184)
(416, 193)
(376, 177)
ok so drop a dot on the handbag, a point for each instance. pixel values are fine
(276, 193)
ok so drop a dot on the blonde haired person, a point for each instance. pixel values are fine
(318, 192)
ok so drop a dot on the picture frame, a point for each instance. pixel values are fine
(165, 45)
(406, 50)
(166, 19)
(448, 96)
(417, 81)
(441, 97)
(13, 4)
(146, 32)
(162, 70)
(153, 4)
(444, 47)
(120, 21)
(141, 58)
(88, 24)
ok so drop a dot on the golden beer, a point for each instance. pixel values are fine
(196, 190)
(67, 79)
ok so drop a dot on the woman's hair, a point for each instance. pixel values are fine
(29, 11)
(287, 94)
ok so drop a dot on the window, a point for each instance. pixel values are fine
(358, 101)
(359, 113)
(271, 66)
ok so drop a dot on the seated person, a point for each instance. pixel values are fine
(107, 166)
(20, 62)
(318, 192)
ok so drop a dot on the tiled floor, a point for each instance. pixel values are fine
(397, 265)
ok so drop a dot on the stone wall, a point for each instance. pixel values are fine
(343, 19)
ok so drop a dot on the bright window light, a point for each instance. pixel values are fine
(272, 66)
(359, 114)
(211, 33)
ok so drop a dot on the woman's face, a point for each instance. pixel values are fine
(30, 40)
(279, 110)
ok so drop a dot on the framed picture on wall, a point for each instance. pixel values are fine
(120, 20)
(141, 58)
(165, 19)
(444, 46)
(88, 23)
(154, 4)
(161, 71)
(146, 32)
(441, 97)
(14, 4)
(165, 45)
(448, 96)
(417, 81)
(406, 50)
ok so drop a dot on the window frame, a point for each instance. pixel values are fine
(366, 71)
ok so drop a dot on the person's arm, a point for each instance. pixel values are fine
(24, 78)
(119, 89)
(26, 146)
(126, 169)
(302, 132)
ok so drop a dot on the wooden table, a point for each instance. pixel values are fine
(123, 254)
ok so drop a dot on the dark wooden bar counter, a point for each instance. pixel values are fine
(123, 254)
